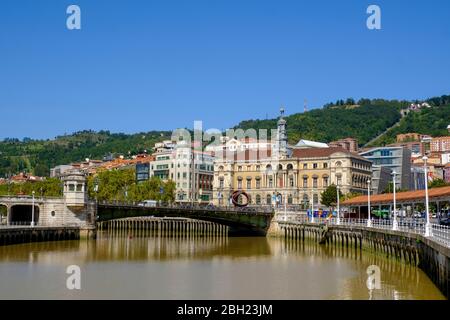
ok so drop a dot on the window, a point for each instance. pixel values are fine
(325, 165)
(314, 165)
(305, 166)
(314, 182)
(305, 182)
(239, 184)
(270, 183)
(221, 183)
(249, 168)
(291, 181)
(339, 181)
(71, 187)
(325, 181)
(258, 168)
(268, 199)
(258, 199)
(258, 183)
(249, 184)
(239, 168)
(79, 187)
(290, 199)
(184, 175)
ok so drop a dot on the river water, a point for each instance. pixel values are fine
(177, 267)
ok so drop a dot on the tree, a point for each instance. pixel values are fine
(329, 196)
(436, 183)
(390, 189)
(41, 170)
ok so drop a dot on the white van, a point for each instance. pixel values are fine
(148, 203)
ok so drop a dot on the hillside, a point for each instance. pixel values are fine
(363, 120)
(432, 121)
(38, 156)
(336, 121)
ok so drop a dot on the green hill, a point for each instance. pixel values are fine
(363, 121)
(431, 121)
(38, 156)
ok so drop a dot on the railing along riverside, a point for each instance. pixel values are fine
(439, 233)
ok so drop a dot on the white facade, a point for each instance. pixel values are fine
(193, 177)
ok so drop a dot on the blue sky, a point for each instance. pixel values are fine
(144, 65)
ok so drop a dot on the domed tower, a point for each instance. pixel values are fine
(75, 189)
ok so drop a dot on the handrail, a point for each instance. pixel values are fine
(439, 233)
(249, 210)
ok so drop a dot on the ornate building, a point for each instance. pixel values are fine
(287, 174)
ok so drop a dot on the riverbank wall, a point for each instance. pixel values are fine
(26, 234)
(429, 255)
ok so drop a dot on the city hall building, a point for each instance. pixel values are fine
(288, 175)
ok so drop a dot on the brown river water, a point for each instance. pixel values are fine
(121, 266)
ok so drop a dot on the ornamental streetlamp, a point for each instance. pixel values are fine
(395, 222)
(428, 229)
(32, 211)
(338, 210)
(369, 221)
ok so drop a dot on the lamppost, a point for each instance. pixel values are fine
(338, 209)
(32, 211)
(428, 230)
(394, 223)
(369, 221)
(312, 205)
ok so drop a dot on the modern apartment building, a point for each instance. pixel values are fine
(440, 144)
(397, 159)
(192, 171)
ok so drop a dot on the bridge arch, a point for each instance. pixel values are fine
(22, 214)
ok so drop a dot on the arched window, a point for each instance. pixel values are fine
(316, 199)
(305, 198)
(258, 199)
(290, 199)
(268, 199)
(280, 167)
(290, 166)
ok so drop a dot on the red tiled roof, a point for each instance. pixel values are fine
(321, 152)
(417, 195)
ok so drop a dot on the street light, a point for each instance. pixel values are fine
(394, 223)
(312, 205)
(428, 230)
(32, 211)
(369, 221)
(338, 209)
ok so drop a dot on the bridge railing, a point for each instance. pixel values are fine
(439, 233)
(206, 208)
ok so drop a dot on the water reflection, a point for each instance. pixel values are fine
(141, 266)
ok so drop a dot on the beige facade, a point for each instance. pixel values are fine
(296, 179)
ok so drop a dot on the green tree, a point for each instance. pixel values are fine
(329, 196)
(121, 185)
(41, 170)
(436, 183)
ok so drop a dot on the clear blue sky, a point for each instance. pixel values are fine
(143, 65)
